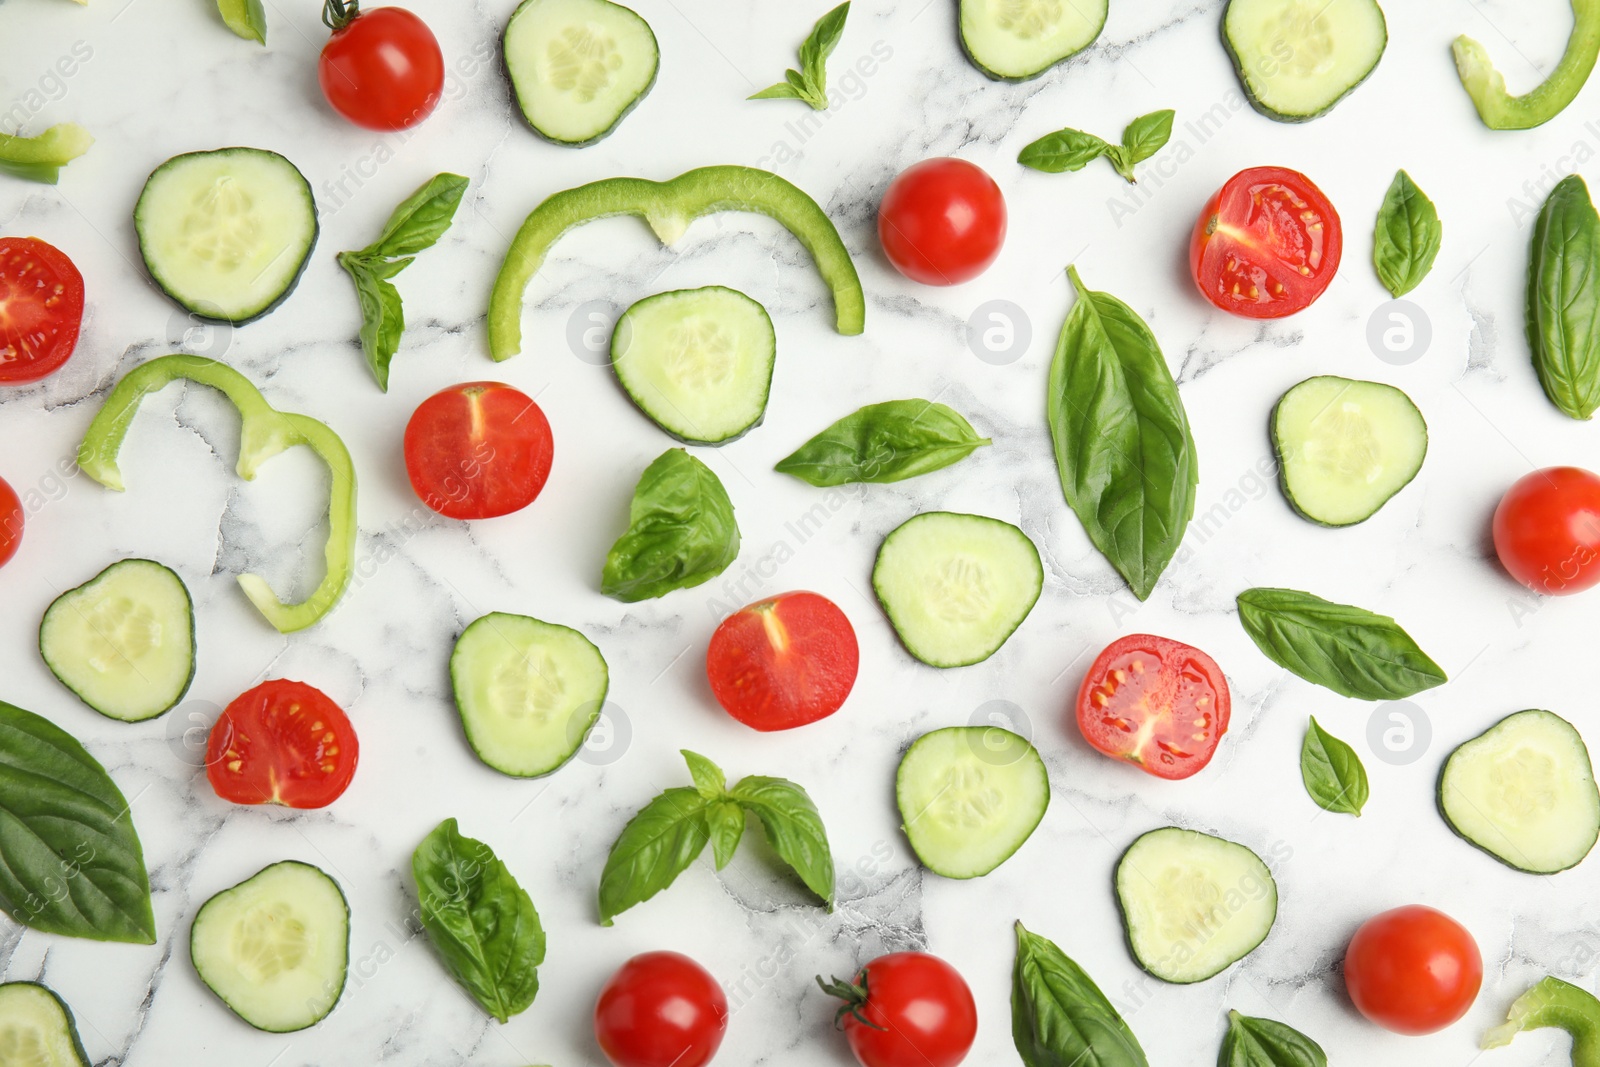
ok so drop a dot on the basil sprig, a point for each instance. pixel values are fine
(1123, 446)
(886, 442)
(667, 834)
(1353, 651)
(681, 531)
(1070, 149)
(1563, 304)
(1059, 1017)
(1406, 238)
(1332, 772)
(1252, 1042)
(810, 82)
(481, 921)
(72, 860)
(417, 224)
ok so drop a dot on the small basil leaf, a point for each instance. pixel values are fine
(1352, 651)
(656, 846)
(885, 442)
(383, 319)
(1121, 161)
(421, 219)
(681, 531)
(794, 828)
(1063, 150)
(1407, 236)
(816, 49)
(1252, 1042)
(1059, 1017)
(726, 822)
(480, 920)
(708, 777)
(246, 18)
(1146, 135)
(1563, 306)
(781, 91)
(1332, 772)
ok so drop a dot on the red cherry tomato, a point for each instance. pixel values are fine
(10, 522)
(382, 68)
(282, 743)
(783, 662)
(1266, 245)
(1159, 704)
(478, 450)
(942, 221)
(907, 1009)
(661, 1009)
(41, 309)
(1413, 970)
(1547, 530)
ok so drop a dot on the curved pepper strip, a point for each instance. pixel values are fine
(1559, 1004)
(40, 159)
(1498, 109)
(264, 432)
(669, 207)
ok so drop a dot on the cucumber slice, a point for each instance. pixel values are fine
(1298, 58)
(969, 797)
(37, 1028)
(528, 692)
(1524, 792)
(1345, 447)
(578, 66)
(227, 233)
(1193, 904)
(955, 587)
(123, 641)
(1014, 40)
(275, 947)
(698, 362)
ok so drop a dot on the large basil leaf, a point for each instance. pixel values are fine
(1059, 1017)
(70, 861)
(1354, 652)
(681, 531)
(1564, 299)
(656, 846)
(1253, 1042)
(481, 921)
(794, 828)
(886, 442)
(1332, 772)
(420, 219)
(1122, 441)
(1407, 236)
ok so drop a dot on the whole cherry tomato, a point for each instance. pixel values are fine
(1413, 970)
(661, 1009)
(10, 522)
(942, 221)
(907, 1009)
(1547, 530)
(382, 68)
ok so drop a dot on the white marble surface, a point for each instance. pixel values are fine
(163, 76)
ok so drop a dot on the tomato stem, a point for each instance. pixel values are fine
(337, 14)
(854, 995)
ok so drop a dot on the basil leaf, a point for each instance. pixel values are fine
(1147, 135)
(681, 531)
(421, 219)
(1063, 150)
(1059, 1017)
(1407, 236)
(885, 442)
(794, 829)
(709, 780)
(1123, 446)
(810, 82)
(1564, 299)
(246, 18)
(1267, 1043)
(726, 823)
(1332, 772)
(656, 846)
(782, 91)
(1354, 652)
(482, 922)
(383, 318)
(70, 860)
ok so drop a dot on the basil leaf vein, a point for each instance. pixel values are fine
(1563, 306)
(681, 531)
(1059, 1017)
(794, 828)
(656, 846)
(1407, 236)
(885, 442)
(1332, 772)
(1064, 150)
(1252, 1042)
(420, 219)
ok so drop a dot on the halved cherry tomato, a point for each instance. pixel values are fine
(1413, 970)
(282, 743)
(1159, 704)
(1266, 245)
(1547, 530)
(942, 221)
(478, 450)
(907, 1009)
(382, 68)
(661, 1009)
(783, 662)
(41, 309)
(10, 522)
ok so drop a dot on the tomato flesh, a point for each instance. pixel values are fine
(1159, 704)
(661, 1009)
(1413, 970)
(918, 1012)
(1267, 244)
(942, 221)
(478, 450)
(784, 662)
(10, 522)
(283, 743)
(383, 69)
(1547, 530)
(41, 309)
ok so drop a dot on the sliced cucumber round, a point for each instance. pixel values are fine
(1014, 40)
(276, 946)
(1298, 58)
(37, 1028)
(227, 233)
(955, 587)
(578, 66)
(698, 362)
(123, 641)
(969, 797)
(1524, 792)
(1192, 904)
(528, 692)
(1345, 447)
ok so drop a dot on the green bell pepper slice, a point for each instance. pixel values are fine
(1553, 1002)
(264, 432)
(40, 159)
(246, 18)
(669, 207)
(1498, 109)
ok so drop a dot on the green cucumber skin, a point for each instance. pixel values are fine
(1278, 116)
(1017, 79)
(67, 1018)
(1044, 771)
